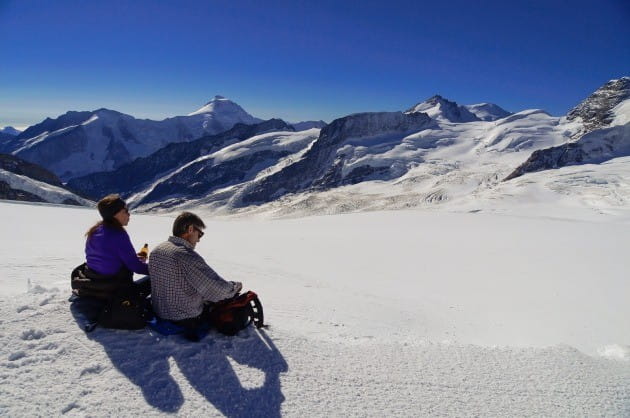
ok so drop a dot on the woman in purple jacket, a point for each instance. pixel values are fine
(110, 257)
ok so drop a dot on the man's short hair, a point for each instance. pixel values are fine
(184, 220)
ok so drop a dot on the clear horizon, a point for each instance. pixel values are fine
(300, 61)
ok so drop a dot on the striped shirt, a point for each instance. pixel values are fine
(181, 281)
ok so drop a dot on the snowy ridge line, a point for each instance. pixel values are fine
(47, 204)
(44, 191)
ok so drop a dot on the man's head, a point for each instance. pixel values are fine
(189, 227)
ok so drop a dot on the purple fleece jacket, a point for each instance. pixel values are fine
(108, 249)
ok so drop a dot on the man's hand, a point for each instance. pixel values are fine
(238, 286)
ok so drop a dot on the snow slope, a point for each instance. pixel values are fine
(217, 177)
(401, 313)
(47, 192)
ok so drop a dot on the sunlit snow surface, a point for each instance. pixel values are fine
(519, 312)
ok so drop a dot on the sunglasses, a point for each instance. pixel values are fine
(201, 233)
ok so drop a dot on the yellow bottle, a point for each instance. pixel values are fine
(144, 251)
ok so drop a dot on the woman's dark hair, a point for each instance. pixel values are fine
(184, 220)
(107, 205)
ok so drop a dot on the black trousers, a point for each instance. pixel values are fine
(192, 326)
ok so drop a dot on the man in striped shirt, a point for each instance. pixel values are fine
(182, 283)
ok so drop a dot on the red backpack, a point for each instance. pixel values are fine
(232, 315)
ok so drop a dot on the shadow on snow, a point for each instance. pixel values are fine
(143, 357)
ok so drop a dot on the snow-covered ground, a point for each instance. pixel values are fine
(401, 313)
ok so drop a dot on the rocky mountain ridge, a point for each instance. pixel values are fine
(596, 111)
(372, 160)
(599, 137)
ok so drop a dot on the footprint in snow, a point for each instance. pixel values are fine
(48, 347)
(17, 355)
(69, 407)
(92, 370)
(33, 334)
(46, 301)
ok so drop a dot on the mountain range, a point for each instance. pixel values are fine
(79, 143)
(435, 152)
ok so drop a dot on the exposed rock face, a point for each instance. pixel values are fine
(437, 107)
(34, 171)
(596, 111)
(322, 167)
(130, 177)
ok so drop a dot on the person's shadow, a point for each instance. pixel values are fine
(143, 356)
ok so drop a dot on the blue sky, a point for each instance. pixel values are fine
(303, 60)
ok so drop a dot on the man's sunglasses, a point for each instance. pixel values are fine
(201, 233)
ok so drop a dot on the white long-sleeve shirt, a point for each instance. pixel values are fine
(181, 281)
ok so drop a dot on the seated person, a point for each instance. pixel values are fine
(182, 284)
(110, 257)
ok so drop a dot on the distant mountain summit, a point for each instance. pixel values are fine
(487, 111)
(226, 109)
(441, 109)
(9, 130)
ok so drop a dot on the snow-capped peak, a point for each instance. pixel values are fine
(439, 108)
(218, 104)
(487, 111)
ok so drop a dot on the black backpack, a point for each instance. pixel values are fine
(126, 310)
(110, 302)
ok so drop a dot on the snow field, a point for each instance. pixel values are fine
(405, 313)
